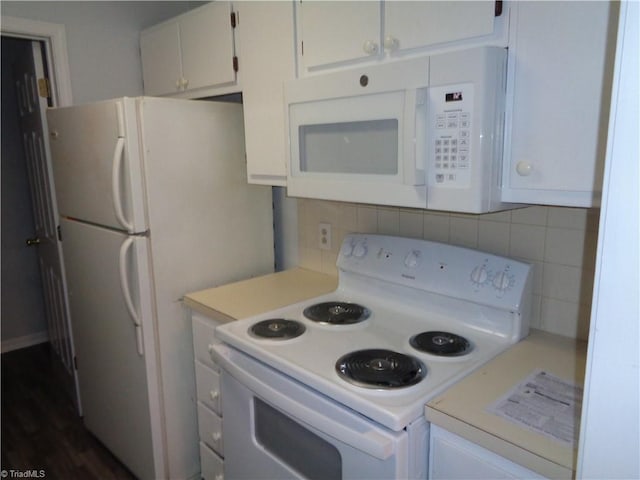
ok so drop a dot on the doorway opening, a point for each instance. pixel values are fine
(34, 300)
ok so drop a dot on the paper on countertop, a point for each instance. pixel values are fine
(545, 404)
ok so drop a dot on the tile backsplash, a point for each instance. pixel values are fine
(560, 243)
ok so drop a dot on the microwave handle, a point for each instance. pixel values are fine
(369, 442)
(415, 136)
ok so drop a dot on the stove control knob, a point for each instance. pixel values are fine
(347, 249)
(360, 249)
(479, 274)
(502, 281)
(412, 259)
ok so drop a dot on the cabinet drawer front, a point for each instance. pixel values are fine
(211, 464)
(208, 387)
(210, 429)
(204, 330)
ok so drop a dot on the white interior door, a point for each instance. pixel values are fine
(29, 80)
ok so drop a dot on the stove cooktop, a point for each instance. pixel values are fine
(392, 313)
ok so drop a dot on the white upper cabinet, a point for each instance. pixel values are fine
(560, 59)
(335, 34)
(419, 24)
(267, 53)
(191, 54)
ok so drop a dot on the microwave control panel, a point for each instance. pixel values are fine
(451, 139)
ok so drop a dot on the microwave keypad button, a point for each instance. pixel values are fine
(439, 178)
(464, 134)
(452, 124)
(464, 142)
(440, 124)
(438, 142)
(452, 177)
(465, 116)
(445, 141)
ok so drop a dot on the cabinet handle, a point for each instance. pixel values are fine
(178, 84)
(214, 395)
(185, 83)
(216, 436)
(370, 48)
(524, 169)
(391, 43)
(219, 477)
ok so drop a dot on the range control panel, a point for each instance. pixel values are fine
(439, 268)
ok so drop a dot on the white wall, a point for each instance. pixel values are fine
(102, 40)
(610, 437)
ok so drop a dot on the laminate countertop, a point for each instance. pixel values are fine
(462, 409)
(260, 294)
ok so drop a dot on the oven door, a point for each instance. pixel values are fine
(275, 427)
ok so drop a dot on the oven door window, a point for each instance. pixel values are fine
(360, 147)
(305, 452)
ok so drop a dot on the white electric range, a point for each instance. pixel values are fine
(335, 386)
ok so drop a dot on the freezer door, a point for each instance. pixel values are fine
(96, 164)
(119, 396)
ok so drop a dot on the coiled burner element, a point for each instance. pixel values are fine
(336, 313)
(443, 344)
(277, 329)
(381, 369)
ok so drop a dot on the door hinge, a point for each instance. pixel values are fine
(498, 8)
(233, 19)
(235, 64)
(43, 88)
(59, 233)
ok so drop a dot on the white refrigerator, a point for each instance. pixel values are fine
(154, 203)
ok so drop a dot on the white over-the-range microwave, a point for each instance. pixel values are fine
(424, 132)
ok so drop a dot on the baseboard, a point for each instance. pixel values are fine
(24, 341)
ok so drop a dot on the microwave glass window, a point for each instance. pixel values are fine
(358, 147)
(300, 449)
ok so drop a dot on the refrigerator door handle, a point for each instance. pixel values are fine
(126, 292)
(118, 156)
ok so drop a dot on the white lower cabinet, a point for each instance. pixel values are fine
(208, 396)
(453, 457)
(212, 466)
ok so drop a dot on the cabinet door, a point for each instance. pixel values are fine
(560, 81)
(206, 40)
(160, 52)
(421, 24)
(267, 61)
(334, 32)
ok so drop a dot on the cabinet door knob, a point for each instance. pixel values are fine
(524, 169)
(219, 477)
(370, 48)
(214, 394)
(216, 436)
(391, 43)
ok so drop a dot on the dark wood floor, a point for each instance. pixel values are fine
(41, 430)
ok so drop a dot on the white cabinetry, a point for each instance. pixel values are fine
(193, 52)
(208, 397)
(453, 457)
(333, 34)
(559, 90)
(266, 51)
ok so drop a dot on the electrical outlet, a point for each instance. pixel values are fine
(324, 236)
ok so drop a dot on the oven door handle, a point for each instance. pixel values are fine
(369, 442)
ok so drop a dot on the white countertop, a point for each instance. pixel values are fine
(260, 294)
(462, 408)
